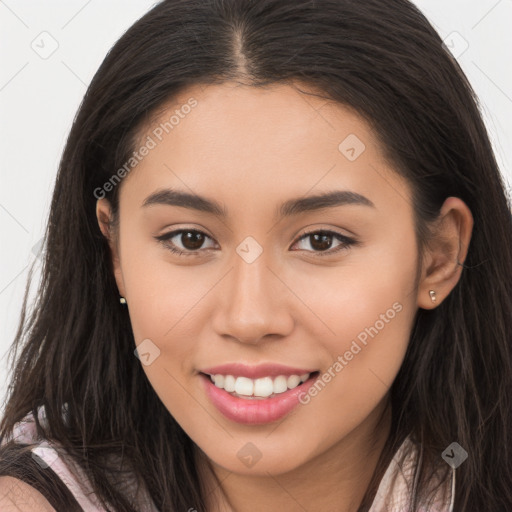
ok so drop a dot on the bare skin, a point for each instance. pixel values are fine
(296, 304)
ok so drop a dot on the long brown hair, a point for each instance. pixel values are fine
(383, 59)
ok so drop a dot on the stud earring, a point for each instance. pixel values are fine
(432, 295)
(122, 300)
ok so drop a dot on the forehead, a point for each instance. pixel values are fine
(278, 116)
(244, 142)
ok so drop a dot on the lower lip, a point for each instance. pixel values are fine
(255, 411)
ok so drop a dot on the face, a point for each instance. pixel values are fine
(307, 303)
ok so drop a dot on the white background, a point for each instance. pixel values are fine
(39, 98)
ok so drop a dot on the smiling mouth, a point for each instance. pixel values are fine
(261, 388)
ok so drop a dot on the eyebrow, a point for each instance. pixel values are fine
(173, 197)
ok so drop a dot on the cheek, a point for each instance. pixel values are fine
(162, 294)
(370, 315)
(364, 312)
(164, 315)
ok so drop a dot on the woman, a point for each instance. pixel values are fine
(277, 275)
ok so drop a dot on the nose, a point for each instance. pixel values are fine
(254, 305)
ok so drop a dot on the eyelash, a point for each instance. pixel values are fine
(346, 241)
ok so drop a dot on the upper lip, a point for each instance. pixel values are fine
(256, 371)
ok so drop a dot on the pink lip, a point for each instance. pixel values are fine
(255, 372)
(255, 411)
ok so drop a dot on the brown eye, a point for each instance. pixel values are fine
(191, 241)
(322, 241)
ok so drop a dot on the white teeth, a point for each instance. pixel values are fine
(293, 381)
(244, 386)
(219, 380)
(262, 387)
(229, 383)
(280, 385)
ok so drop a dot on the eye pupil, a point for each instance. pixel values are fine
(325, 241)
(192, 239)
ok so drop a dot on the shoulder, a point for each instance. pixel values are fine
(398, 486)
(18, 496)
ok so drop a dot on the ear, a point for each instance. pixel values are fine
(445, 252)
(103, 214)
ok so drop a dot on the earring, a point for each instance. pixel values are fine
(432, 295)
(122, 300)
